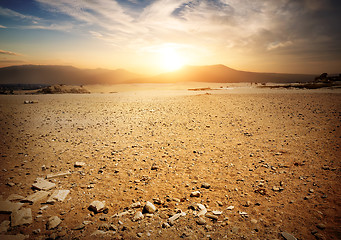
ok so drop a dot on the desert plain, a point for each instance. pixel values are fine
(236, 163)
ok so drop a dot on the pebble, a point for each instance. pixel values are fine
(138, 216)
(230, 208)
(201, 221)
(321, 226)
(165, 225)
(195, 194)
(53, 222)
(136, 205)
(175, 217)
(97, 206)
(211, 216)
(205, 185)
(79, 164)
(149, 207)
(254, 221)
(288, 236)
(217, 212)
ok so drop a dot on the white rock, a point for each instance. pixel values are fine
(135, 205)
(53, 222)
(230, 208)
(15, 197)
(217, 212)
(195, 194)
(138, 216)
(42, 184)
(35, 197)
(21, 217)
(175, 217)
(149, 207)
(58, 195)
(9, 207)
(79, 164)
(97, 206)
(288, 236)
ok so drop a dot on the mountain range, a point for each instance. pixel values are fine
(55, 74)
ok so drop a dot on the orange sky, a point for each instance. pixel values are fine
(151, 37)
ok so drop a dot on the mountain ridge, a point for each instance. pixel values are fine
(60, 74)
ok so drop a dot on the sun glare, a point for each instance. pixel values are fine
(171, 60)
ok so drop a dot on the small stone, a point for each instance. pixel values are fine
(55, 175)
(97, 206)
(288, 236)
(321, 226)
(230, 208)
(36, 197)
(42, 184)
(21, 217)
(79, 227)
(205, 185)
(104, 227)
(139, 234)
(175, 217)
(254, 221)
(53, 222)
(154, 166)
(165, 225)
(136, 205)
(217, 212)
(138, 216)
(311, 190)
(149, 208)
(243, 214)
(201, 221)
(275, 188)
(9, 207)
(195, 194)
(247, 204)
(36, 231)
(79, 164)
(220, 203)
(4, 226)
(211, 216)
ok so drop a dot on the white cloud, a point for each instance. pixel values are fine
(13, 14)
(1, 26)
(9, 53)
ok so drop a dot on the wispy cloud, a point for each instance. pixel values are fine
(9, 53)
(1, 26)
(13, 14)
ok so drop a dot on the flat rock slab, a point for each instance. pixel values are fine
(58, 195)
(15, 197)
(9, 207)
(36, 197)
(14, 237)
(21, 217)
(4, 226)
(42, 184)
(97, 206)
(53, 222)
(56, 175)
(288, 236)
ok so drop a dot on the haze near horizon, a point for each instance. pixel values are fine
(153, 37)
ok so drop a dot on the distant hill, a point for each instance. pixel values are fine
(223, 74)
(51, 75)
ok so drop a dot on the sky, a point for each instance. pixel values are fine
(151, 37)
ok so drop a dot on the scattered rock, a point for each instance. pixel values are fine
(42, 184)
(154, 166)
(230, 208)
(211, 216)
(201, 221)
(254, 221)
(21, 217)
(195, 194)
(149, 208)
(9, 207)
(15, 197)
(58, 195)
(36, 197)
(217, 212)
(53, 222)
(165, 225)
(288, 236)
(205, 185)
(138, 216)
(172, 219)
(97, 206)
(321, 226)
(79, 164)
(136, 205)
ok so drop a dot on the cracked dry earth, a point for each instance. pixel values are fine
(263, 166)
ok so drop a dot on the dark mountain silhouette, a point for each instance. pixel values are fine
(51, 75)
(223, 74)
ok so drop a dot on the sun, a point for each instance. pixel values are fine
(171, 60)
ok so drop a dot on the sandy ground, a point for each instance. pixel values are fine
(274, 155)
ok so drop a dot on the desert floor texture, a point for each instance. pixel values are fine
(252, 164)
